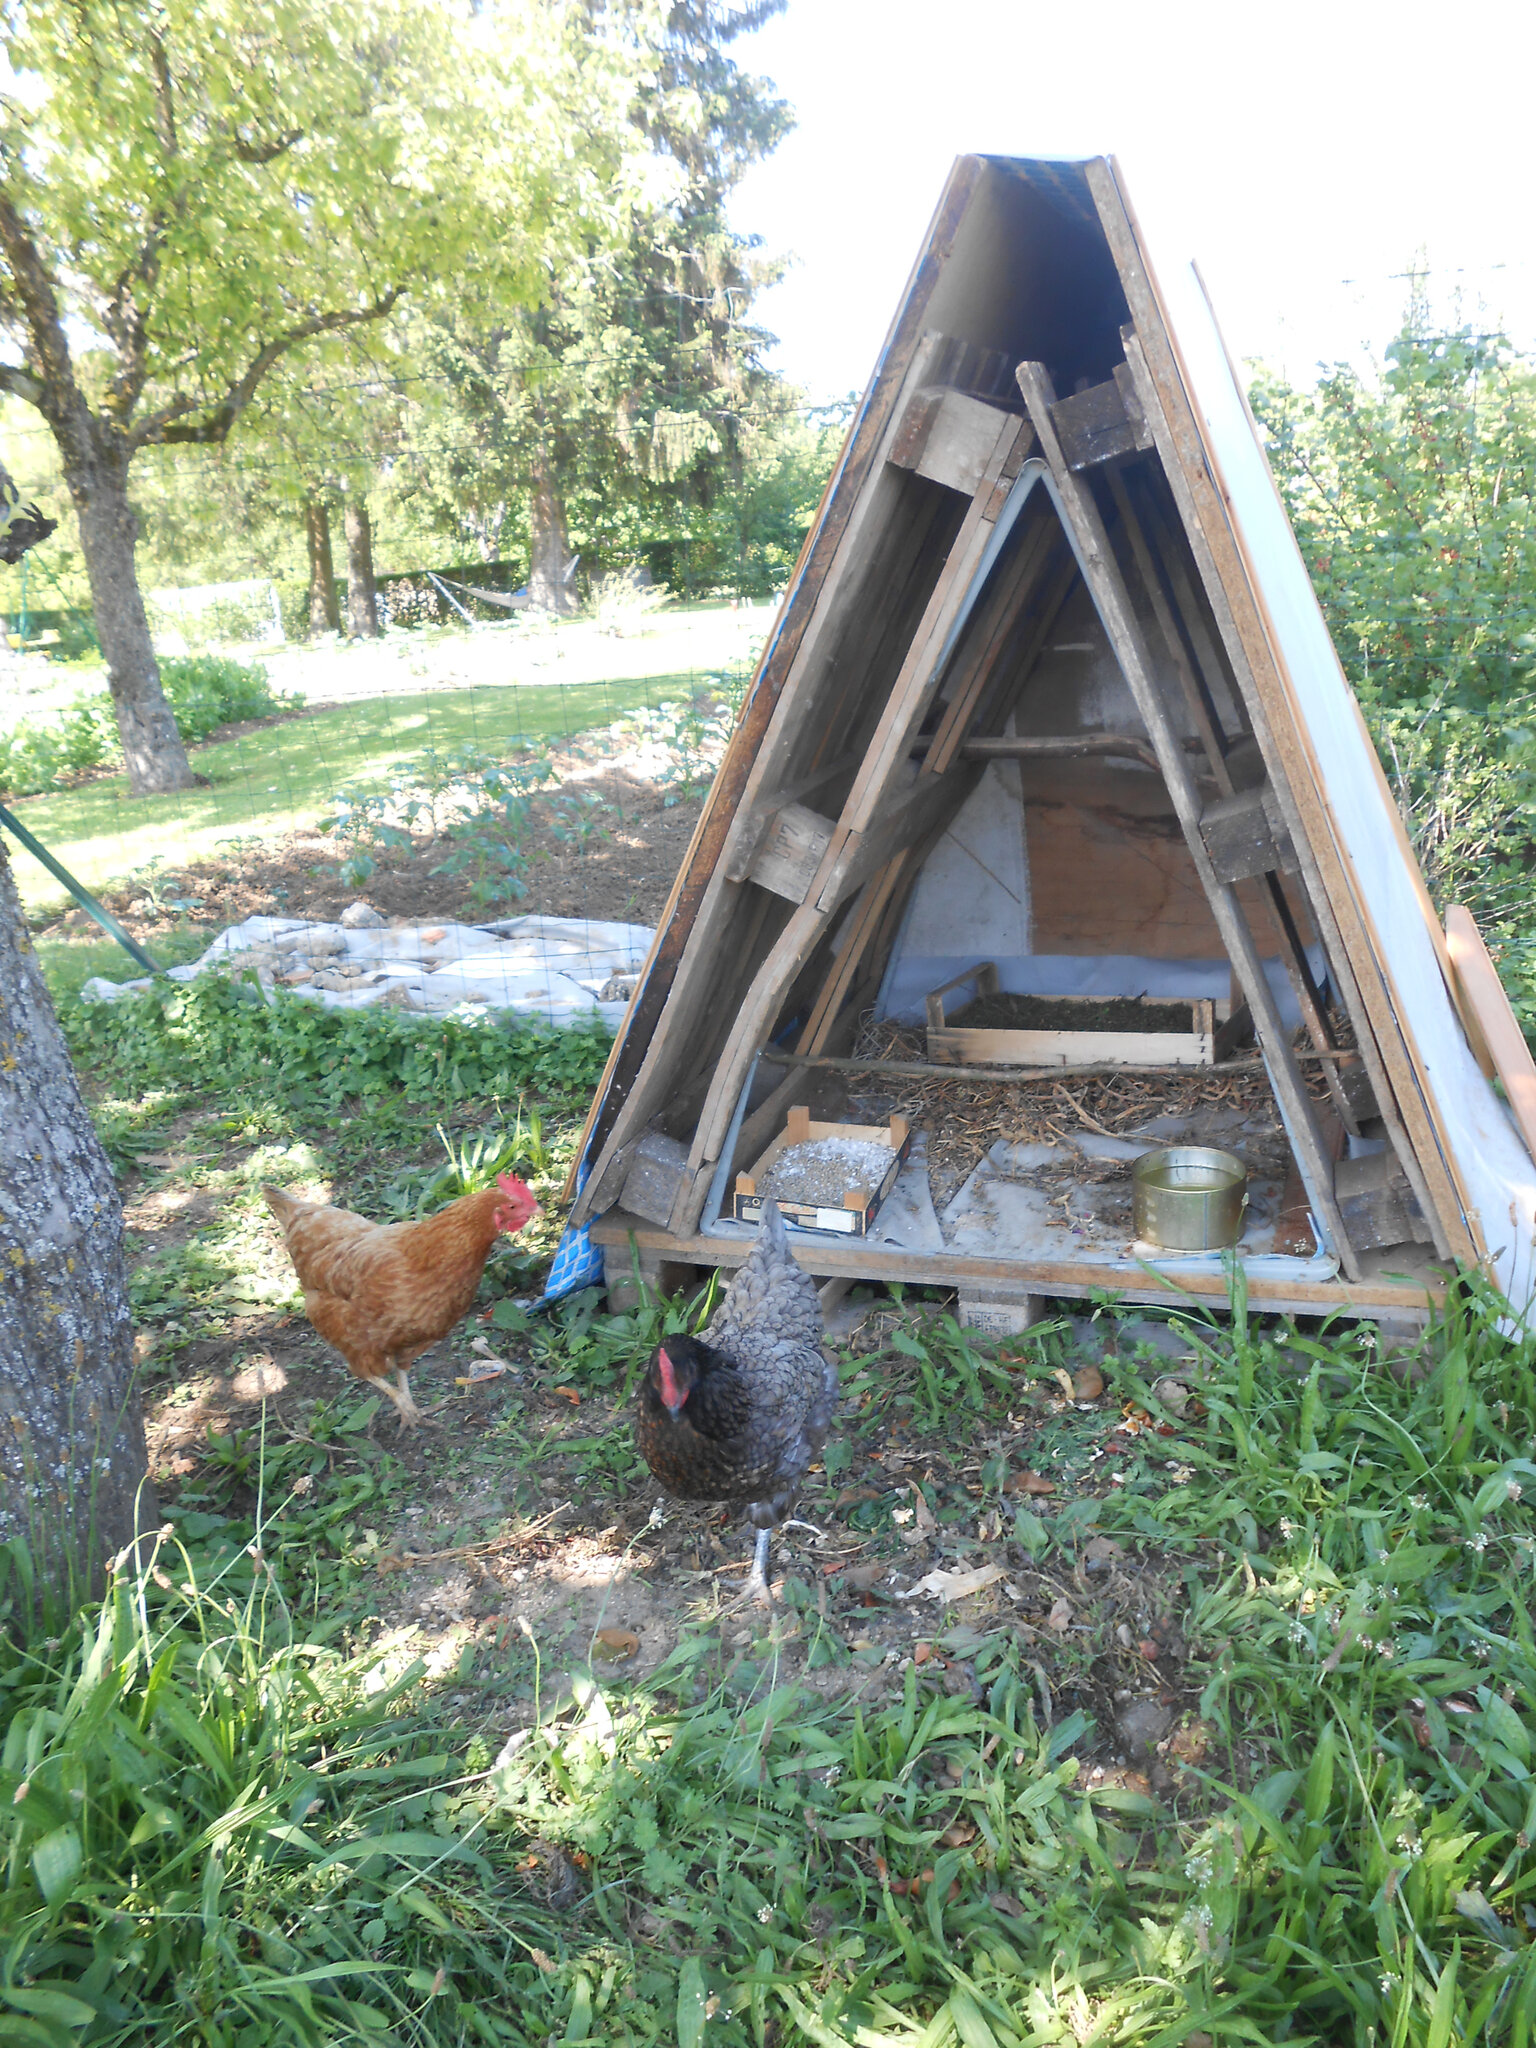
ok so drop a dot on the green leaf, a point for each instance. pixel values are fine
(44, 2004)
(56, 1863)
(969, 2023)
(691, 2003)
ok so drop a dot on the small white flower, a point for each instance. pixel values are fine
(1287, 1527)
(1513, 1488)
(765, 1914)
(1386, 1648)
(658, 1515)
(1418, 1500)
(1298, 1633)
(1388, 1985)
(1198, 1870)
(1479, 1542)
(1480, 1652)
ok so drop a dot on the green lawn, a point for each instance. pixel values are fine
(281, 778)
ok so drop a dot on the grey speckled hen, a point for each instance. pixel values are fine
(740, 1413)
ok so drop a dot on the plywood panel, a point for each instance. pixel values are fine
(1110, 871)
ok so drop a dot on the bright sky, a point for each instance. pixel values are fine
(1302, 153)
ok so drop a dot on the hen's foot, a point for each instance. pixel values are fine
(755, 1585)
(399, 1391)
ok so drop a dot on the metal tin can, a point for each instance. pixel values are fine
(1189, 1198)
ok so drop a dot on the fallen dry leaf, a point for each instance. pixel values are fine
(1060, 1616)
(616, 1642)
(1030, 1482)
(1102, 1550)
(942, 1585)
(957, 1836)
(1064, 1381)
(1087, 1383)
(861, 1577)
(1005, 1902)
(568, 1394)
(1148, 1649)
(924, 1513)
(921, 1652)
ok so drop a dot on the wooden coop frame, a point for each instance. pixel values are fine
(1052, 421)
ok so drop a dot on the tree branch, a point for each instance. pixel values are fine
(53, 387)
(20, 384)
(266, 152)
(170, 424)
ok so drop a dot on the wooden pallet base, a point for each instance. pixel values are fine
(625, 1238)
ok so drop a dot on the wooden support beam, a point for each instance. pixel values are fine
(840, 550)
(1105, 423)
(1063, 746)
(1245, 835)
(1033, 579)
(949, 437)
(1229, 660)
(1202, 708)
(885, 763)
(931, 800)
(1085, 529)
(791, 850)
(749, 836)
(1126, 1280)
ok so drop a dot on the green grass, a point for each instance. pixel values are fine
(225, 1827)
(282, 777)
(68, 964)
(232, 1815)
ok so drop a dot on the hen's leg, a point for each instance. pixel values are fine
(399, 1391)
(755, 1585)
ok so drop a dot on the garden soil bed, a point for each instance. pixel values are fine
(625, 877)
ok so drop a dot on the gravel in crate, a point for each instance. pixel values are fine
(823, 1170)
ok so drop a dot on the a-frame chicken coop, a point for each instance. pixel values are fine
(1050, 703)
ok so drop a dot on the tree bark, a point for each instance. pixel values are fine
(550, 582)
(73, 1482)
(362, 598)
(324, 610)
(152, 746)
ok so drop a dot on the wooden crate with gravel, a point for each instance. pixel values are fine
(825, 1176)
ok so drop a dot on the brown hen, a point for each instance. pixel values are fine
(382, 1293)
(740, 1413)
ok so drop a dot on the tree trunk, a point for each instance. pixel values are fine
(362, 598)
(550, 579)
(324, 611)
(72, 1461)
(152, 746)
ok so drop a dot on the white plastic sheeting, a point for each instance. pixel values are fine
(556, 970)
